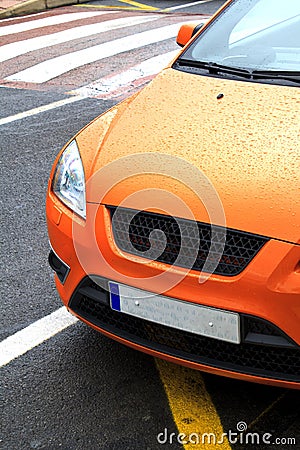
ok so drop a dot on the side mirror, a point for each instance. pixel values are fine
(186, 32)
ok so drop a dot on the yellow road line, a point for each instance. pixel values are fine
(133, 6)
(126, 8)
(193, 410)
(266, 411)
(139, 5)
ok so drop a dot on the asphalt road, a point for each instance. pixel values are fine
(70, 392)
(80, 390)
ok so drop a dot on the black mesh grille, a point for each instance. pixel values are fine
(261, 327)
(184, 243)
(260, 360)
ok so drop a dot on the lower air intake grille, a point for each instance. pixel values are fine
(263, 360)
(184, 243)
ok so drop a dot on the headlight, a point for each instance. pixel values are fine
(68, 181)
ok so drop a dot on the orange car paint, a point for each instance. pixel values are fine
(209, 134)
(233, 140)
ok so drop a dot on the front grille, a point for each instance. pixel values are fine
(184, 243)
(264, 360)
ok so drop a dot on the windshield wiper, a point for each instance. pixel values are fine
(294, 77)
(215, 68)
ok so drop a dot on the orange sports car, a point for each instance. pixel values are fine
(174, 218)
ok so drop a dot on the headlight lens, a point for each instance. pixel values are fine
(68, 181)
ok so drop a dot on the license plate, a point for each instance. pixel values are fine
(211, 322)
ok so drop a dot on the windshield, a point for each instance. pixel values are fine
(261, 35)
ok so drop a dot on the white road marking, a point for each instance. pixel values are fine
(35, 334)
(186, 5)
(114, 85)
(106, 87)
(47, 70)
(48, 21)
(15, 49)
(38, 110)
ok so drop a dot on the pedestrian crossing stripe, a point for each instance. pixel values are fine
(127, 81)
(49, 21)
(54, 67)
(18, 48)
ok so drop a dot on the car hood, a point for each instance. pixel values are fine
(240, 137)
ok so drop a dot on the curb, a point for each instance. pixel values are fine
(34, 6)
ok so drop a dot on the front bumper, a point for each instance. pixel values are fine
(266, 294)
